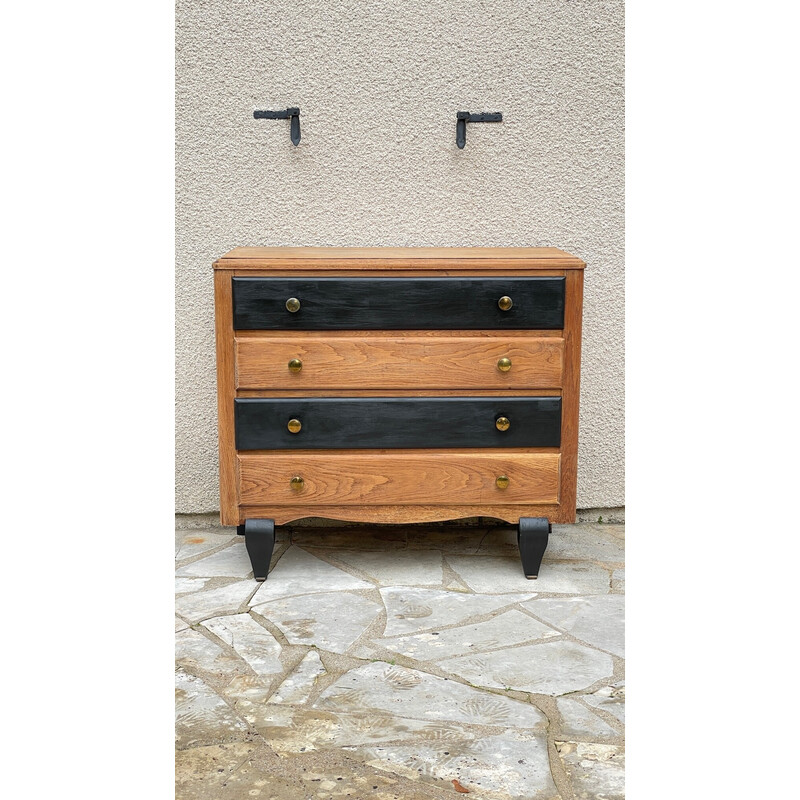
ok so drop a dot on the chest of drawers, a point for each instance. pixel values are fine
(397, 385)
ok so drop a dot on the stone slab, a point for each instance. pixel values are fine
(397, 567)
(553, 668)
(297, 686)
(330, 620)
(413, 610)
(214, 602)
(198, 652)
(252, 643)
(299, 572)
(585, 543)
(188, 585)
(501, 575)
(598, 621)
(510, 628)
(609, 699)
(190, 543)
(413, 694)
(580, 723)
(232, 562)
(202, 716)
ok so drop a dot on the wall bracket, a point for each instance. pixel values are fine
(292, 114)
(463, 117)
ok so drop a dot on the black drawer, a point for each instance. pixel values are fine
(357, 422)
(397, 303)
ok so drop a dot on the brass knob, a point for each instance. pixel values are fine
(296, 483)
(502, 482)
(502, 423)
(504, 364)
(293, 305)
(294, 426)
(505, 302)
(295, 365)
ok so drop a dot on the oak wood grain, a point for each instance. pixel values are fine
(429, 479)
(401, 362)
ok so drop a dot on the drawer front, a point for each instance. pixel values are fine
(469, 478)
(397, 303)
(404, 362)
(357, 422)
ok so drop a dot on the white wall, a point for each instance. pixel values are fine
(378, 85)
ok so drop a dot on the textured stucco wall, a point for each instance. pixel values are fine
(378, 85)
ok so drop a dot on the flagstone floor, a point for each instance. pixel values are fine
(400, 663)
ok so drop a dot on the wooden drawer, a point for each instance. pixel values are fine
(358, 422)
(426, 478)
(398, 303)
(399, 362)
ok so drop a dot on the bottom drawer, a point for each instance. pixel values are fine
(410, 478)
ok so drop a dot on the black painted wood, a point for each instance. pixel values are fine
(532, 536)
(397, 303)
(259, 539)
(357, 422)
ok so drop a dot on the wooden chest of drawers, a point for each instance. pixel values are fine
(393, 385)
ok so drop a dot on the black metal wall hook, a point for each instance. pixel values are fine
(463, 117)
(292, 114)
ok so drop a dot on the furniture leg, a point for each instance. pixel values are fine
(259, 539)
(532, 536)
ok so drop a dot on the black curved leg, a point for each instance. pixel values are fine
(532, 536)
(259, 539)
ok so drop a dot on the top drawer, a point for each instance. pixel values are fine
(397, 303)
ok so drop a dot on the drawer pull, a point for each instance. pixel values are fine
(296, 483)
(294, 426)
(295, 365)
(502, 482)
(293, 305)
(505, 303)
(504, 364)
(502, 423)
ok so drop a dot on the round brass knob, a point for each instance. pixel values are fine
(293, 305)
(505, 302)
(502, 482)
(296, 483)
(504, 364)
(295, 365)
(502, 423)
(294, 426)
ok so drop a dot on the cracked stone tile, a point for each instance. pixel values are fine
(180, 625)
(510, 765)
(214, 602)
(577, 721)
(398, 568)
(232, 562)
(500, 575)
(191, 543)
(618, 580)
(512, 627)
(550, 668)
(202, 716)
(598, 621)
(412, 694)
(196, 651)
(610, 699)
(585, 543)
(187, 585)
(299, 684)
(331, 620)
(298, 572)
(253, 643)
(413, 610)
(596, 771)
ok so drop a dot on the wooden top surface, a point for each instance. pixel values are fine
(260, 258)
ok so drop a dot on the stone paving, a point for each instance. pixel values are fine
(400, 664)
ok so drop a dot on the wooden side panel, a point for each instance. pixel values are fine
(573, 319)
(413, 479)
(399, 362)
(223, 319)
